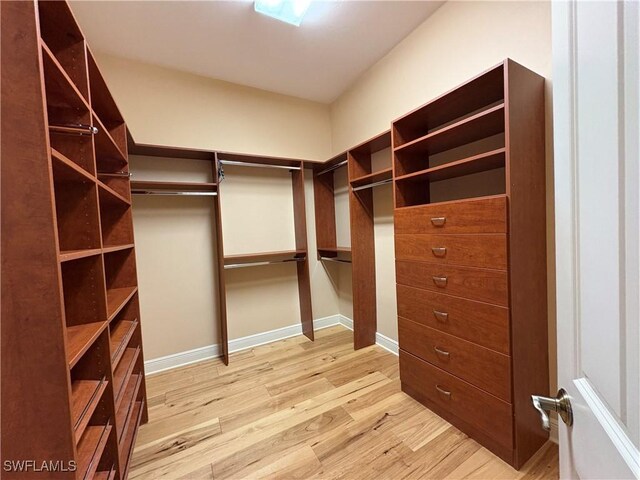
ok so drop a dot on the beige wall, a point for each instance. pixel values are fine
(168, 107)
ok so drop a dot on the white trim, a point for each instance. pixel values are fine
(387, 343)
(182, 359)
(346, 322)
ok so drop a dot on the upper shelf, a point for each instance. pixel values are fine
(378, 176)
(481, 125)
(264, 257)
(173, 186)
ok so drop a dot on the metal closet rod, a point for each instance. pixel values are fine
(74, 129)
(115, 174)
(374, 184)
(259, 165)
(257, 264)
(331, 259)
(165, 192)
(333, 167)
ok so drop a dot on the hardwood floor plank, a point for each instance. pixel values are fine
(299, 409)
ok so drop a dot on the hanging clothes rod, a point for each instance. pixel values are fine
(115, 174)
(259, 165)
(257, 264)
(79, 129)
(331, 259)
(374, 184)
(332, 167)
(166, 192)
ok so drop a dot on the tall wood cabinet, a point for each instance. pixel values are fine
(470, 236)
(73, 387)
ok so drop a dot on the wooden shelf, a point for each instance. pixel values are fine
(172, 186)
(109, 157)
(69, 255)
(117, 248)
(109, 195)
(123, 372)
(90, 449)
(126, 446)
(335, 249)
(60, 89)
(261, 159)
(482, 125)
(466, 166)
(101, 100)
(67, 169)
(459, 200)
(127, 405)
(120, 336)
(80, 338)
(378, 176)
(264, 257)
(118, 298)
(85, 396)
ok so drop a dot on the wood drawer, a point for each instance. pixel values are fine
(481, 323)
(477, 408)
(464, 216)
(478, 365)
(484, 251)
(474, 283)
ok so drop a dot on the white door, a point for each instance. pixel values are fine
(595, 103)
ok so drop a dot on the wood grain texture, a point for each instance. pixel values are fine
(32, 313)
(325, 211)
(525, 120)
(473, 283)
(477, 365)
(483, 251)
(312, 421)
(222, 288)
(477, 322)
(465, 216)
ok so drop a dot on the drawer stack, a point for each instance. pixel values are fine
(469, 222)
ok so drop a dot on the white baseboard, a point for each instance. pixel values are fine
(387, 343)
(182, 359)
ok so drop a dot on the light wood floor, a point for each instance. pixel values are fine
(297, 409)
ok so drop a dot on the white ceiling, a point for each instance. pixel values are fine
(227, 40)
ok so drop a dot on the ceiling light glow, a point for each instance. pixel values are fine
(289, 11)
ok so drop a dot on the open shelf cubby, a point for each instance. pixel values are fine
(83, 288)
(110, 158)
(116, 225)
(120, 275)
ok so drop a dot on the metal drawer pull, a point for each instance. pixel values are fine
(439, 251)
(440, 281)
(441, 352)
(441, 316)
(444, 392)
(438, 221)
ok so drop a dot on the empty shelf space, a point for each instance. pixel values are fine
(484, 124)
(69, 255)
(121, 333)
(109, 195)
(173, 186)
(117, 248)
(66, 169)
(374, 177)
(129, 440)
(85, 396)
(127, 405)
(264, 257)
(109, 157)
(80, 338)
(118, 298)
(60, 89)
(90, 449)
(466, 166)
(123, 372)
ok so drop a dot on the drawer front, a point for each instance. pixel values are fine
(484, 251)
(481, 323)
(477, 408)
(474, 283)
(478, 365)
(468, 216)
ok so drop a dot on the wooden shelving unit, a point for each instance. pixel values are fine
(74, 265)
(470, 236)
